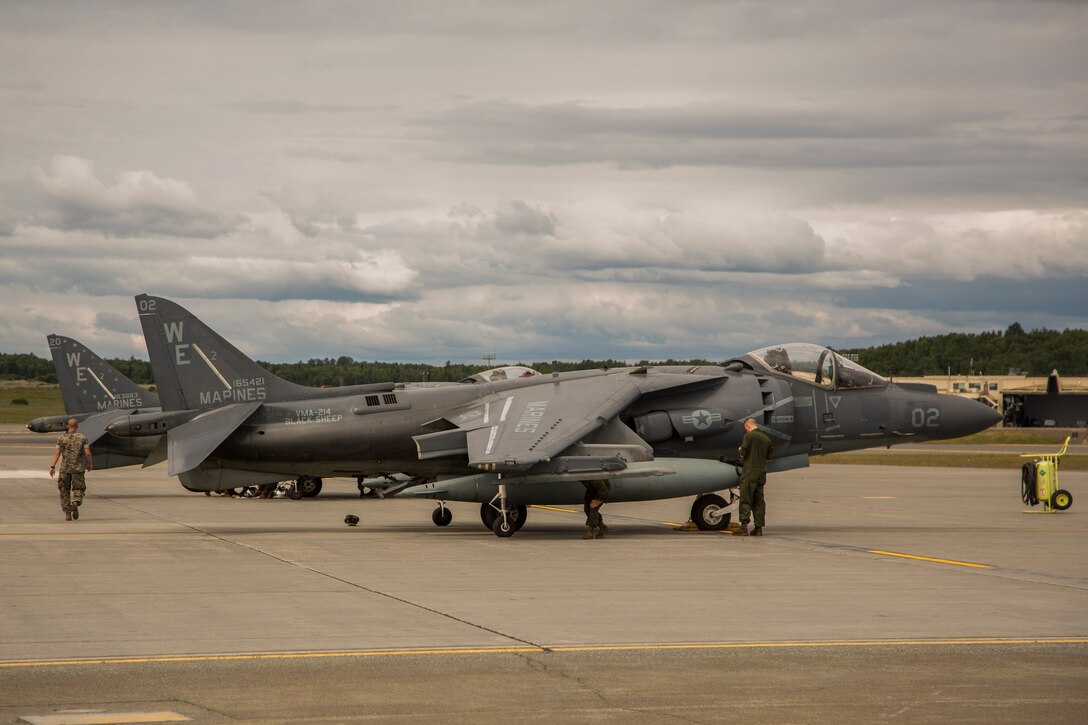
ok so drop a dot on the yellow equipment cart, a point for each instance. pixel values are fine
(1039, 481)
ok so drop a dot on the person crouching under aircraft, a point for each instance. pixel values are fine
(596, 496)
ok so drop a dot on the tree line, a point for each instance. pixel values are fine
(987, 353)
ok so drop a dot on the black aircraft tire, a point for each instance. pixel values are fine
(707, 515)
(442, 516)
(520, 514)
(487, 515)
(1061, 500)
(503, 529)
(293, 493)
(310, 486)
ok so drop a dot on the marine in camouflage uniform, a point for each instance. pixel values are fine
(74, 453)
(596, 496)
(755, 450)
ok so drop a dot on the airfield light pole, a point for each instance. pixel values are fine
(489, 359)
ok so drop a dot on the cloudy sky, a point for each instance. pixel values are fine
(426, 181)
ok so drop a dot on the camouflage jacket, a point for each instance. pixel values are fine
(71, 447)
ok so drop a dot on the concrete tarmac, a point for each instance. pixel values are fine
(878, 593)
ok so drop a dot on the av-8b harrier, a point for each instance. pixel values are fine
(95, 393)
(654, 432)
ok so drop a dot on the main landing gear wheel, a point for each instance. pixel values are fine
(517, 514)
(504, 518)
(441, 516)
(709, 514)
(1061, 500)
(308, 486)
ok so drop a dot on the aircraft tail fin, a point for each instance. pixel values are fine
(89, 384)
(196, 368)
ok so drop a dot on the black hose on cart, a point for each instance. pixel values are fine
(1028, 490)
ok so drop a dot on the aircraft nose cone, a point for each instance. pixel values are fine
(963, 416)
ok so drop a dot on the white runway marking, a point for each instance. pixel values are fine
(24, 474)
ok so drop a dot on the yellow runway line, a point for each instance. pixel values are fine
(555, 508)
(659, 646)
(927, 558)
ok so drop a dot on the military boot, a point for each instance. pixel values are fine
(75, 513)
(67, 515)
(743, 530)
(757, 531)
(603, 531)
(589, 533)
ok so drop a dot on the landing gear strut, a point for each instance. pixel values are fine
(501, 517)
(708, 512)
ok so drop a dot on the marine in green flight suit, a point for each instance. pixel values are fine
(755, 450)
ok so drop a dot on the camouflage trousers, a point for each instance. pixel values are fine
(595, 491)
(72, 488)
(752, 502)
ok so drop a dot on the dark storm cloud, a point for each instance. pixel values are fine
(967, 152)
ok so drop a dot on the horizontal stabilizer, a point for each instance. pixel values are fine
(94, 426)
(158, 453)
(189, 444)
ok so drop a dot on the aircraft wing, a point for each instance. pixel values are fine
(532, 424)
(192, 442)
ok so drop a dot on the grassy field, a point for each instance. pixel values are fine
(42, 401)
(1011, 437)
(1072, 462)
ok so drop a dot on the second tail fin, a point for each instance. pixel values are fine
(89, 384)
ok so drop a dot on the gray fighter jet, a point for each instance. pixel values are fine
(509, 440)
(96, 394)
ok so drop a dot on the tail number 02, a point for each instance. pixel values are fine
(147, 305)
(925, 417)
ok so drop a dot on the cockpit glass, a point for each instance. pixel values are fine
(508, 372)
(815, 364)
(852, 375)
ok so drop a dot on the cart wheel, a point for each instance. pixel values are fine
(1061, 500)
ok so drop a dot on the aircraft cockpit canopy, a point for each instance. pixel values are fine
(507, 372)
(815, 364)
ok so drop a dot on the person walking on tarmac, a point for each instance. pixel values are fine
(755, 450)
(74, 453)
(596, 496)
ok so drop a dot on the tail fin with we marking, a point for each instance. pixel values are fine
(89, 384)
(196, 368)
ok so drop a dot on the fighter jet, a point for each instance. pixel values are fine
(509, 440)
(96, 394)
